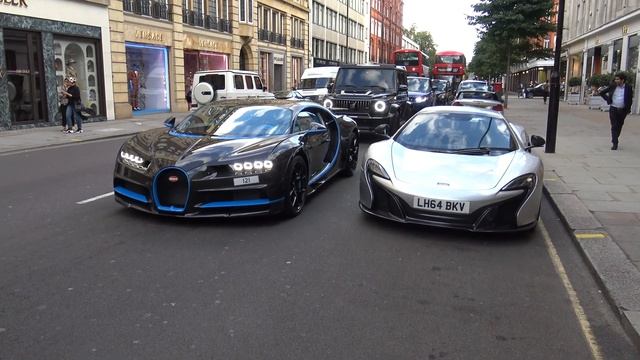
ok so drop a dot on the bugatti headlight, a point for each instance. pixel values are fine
(252, 167)
(421, 99)
(525, 182)
(134, 160)
(380, 106)
(327, 103)
(375, 168)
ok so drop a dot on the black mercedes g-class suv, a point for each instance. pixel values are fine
(371, 95)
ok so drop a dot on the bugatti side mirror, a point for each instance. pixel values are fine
(170, 122)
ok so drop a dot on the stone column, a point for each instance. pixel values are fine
(118, 61)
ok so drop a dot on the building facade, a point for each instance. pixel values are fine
(158, 45)
(339, 32)
(41, 43)
(601, 36)
(386, 29)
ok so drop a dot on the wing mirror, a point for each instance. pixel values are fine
(383, 130)
(536, 141)
(170, 122)
(330, 87)
(403, 87)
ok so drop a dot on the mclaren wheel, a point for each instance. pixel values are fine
(351, 161)
(296, 187)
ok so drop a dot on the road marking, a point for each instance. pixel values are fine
(575, 302)
(590, 236)
(95, 198)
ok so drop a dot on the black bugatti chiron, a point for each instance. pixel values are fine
(236, 157)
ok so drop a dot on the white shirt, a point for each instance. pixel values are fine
(617, 100)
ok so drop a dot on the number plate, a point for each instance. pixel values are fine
(458, 207)
(245, 180)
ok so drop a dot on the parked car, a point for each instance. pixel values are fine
(456, 167)
(229, 84)
(537, 90)
(236, 157)
(481, 99)
(420, 93)
(473, 85)
(371, 94)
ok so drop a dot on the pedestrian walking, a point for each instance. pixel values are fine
(619, 96)
(74, 106)
(64, 102)
(521, 90)
(545, 91)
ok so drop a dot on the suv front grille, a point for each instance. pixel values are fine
(356, 105)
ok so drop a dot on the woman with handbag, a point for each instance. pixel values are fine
(74, 106)
(64, 102)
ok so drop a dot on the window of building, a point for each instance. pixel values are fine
(617, 55)
(632, 53)
(246, 11)
(318, 48)
(318, 13)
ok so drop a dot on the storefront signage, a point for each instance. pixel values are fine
(278, 59)
(199, 43)
(625, 29)
(18, 3)
(147, 35)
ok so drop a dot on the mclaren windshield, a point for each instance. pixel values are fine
(237, 121)
(463, 133)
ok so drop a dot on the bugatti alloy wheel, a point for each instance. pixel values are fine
(297, 187)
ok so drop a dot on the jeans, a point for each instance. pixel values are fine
(72, 117)
(616, 117)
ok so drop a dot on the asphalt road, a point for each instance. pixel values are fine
(98, 281)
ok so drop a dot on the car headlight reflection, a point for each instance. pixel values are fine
(252, 167)
(525, 182)
(328, 103)
(375, 168)
(380, 106)
(421, 99)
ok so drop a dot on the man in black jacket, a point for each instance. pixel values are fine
(619, 97)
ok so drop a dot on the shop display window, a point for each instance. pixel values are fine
(77, 58)
(147, 78)
(202, 61)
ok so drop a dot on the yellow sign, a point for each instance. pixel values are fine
(625, 29)
(201, 43)
(147, 35)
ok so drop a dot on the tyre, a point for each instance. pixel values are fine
(351, 160)
(296, 193)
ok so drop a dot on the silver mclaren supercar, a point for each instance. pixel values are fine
(456, 167)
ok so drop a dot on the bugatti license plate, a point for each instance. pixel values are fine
(458, 207)
(247, 180)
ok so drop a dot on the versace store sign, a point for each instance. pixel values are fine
(207, 44)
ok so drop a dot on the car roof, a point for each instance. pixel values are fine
(460, 110)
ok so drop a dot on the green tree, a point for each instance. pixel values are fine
(512, 29)
(424, 41)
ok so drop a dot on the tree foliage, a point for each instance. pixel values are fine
(424, 41)
(511, 32)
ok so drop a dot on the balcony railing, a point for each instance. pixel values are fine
(270, 36)
(194, 18)
(297, 43)
(155, 9)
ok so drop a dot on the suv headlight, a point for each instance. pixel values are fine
(327, 103)
(380, 106)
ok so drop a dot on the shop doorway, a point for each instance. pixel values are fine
(244, 58)
(25, 76)
(277, 78)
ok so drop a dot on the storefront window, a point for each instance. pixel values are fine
(202, 61)
(617, 55)
(148, 78)
(22, 51)
(77, 58)
(632, 56)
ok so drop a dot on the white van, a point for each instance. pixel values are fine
(314, 81)
(230, 84)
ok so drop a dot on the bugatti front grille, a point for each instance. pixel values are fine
(354, 105)
(171, 190)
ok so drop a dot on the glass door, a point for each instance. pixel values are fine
(23, 54)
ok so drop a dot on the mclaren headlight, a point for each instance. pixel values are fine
(252, 167)
(327, 103)
(375, 168)
(525, 182)
(380, 106)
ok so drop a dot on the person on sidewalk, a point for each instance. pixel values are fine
(619, 96)
(64, 102)
(545, 91)
(74, 106)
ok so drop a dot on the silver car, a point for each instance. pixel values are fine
(457, 167)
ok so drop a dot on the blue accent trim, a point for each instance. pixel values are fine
(172, 209)
(177, 134)
(238, 203)
(329, 166)
(131, 194)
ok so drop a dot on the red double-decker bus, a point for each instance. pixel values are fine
(450, 65)
(415, 61)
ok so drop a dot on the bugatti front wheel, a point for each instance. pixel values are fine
(296, 187)
(351, 162)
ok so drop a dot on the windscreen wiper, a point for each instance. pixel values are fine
(473, 151)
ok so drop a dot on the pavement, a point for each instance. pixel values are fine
(595, 190)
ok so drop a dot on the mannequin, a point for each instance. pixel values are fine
(133, 80)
